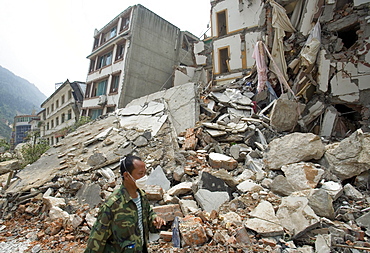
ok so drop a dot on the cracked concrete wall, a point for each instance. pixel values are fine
(150, 57)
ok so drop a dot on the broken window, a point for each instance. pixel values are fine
(224, 60)
(125, 22)
(349, 35)
(96, 43)
(95, 113)
(115, 84)
(88, 89)
(99, 88)
(221, 23)
(69, 115)
(111, 109)
(109, 34)
(120, 51)
(105, 60)
(84, 112)
(92, 66)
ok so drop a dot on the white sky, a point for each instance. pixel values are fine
(47, 41)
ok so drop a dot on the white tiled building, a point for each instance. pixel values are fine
(61, 110)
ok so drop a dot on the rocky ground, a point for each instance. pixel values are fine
(230, 169)
(244, 188)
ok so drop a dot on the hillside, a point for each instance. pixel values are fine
(17, 96)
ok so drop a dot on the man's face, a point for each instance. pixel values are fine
(140, 169)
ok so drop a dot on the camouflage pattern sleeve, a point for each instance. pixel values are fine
(100, 232)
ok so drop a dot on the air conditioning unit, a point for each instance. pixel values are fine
(102, 100)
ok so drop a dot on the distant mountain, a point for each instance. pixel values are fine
(17, 96)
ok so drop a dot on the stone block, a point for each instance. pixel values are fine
(53, 202)
(249, 186)
(192, 231)
(293, 148)
(157, 177)
(296, 216)
(165, 236)
(211, 200)
(303, 175)
(351, 156)
(154, 192)
(217, 161)
(181, 188)
(285, 114)
(168, 212)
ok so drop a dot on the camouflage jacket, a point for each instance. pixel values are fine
(116, 228)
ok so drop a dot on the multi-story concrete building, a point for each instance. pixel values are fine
(21, 127)
(235, 31)
(61, 110)
(134, 55)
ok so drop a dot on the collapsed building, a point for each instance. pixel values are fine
(315, 50)
(271, 156)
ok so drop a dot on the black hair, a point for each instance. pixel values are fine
(127, 163)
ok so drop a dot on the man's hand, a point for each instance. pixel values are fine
(159, 222)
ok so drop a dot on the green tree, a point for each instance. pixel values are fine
(34, 148)
(4, 146)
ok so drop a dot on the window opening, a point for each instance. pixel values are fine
(88, 89)
(114, 85)
(95, 113)
(105, 60)
(69, 115)
(221, 23)
(125, 22)
(100, 88)
(92, 66)
(120, 51)
(224, 60)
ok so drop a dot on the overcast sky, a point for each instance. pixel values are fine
(47, 41)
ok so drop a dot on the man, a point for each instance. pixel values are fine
(125, 219)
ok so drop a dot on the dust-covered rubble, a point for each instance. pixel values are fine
(234, 167)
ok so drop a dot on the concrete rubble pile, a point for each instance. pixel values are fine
(250, 188)
(232, 167)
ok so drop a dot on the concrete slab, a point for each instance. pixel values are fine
(211, 200)
(342, 87)
(36, 174)
(89, 194)
(359, 2)
(323, 71)
(181, 102)
(328, 123)
(143, 122)
(157, 177)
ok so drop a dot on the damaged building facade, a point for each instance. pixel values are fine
(235, 31)
(317, 51)
(61, 110)
(266, 158)
(133, 55)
